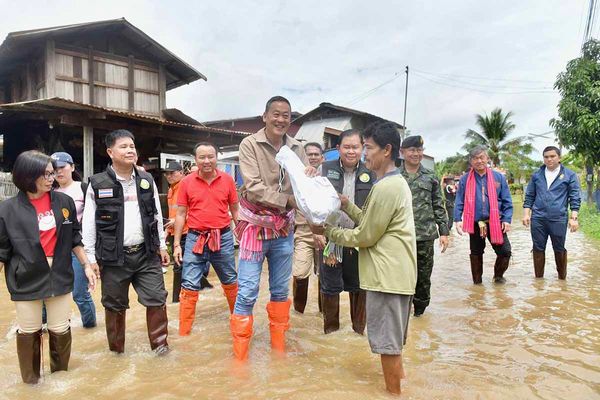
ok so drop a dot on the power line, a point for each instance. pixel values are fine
(463, 78)
(475, 89)
(369, 92)
(591, 19)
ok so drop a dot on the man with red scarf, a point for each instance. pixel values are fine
(484, 208)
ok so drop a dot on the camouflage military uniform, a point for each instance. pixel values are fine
(430, 218)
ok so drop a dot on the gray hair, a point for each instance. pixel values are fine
(477, 150)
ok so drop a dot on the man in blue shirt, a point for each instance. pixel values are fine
(552, 189)
(478, 158)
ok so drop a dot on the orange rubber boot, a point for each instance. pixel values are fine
(279, 322)
(230, 292)
(187, 310)
(241, 331)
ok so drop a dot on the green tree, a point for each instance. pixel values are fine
(494, 132)
(578, 122)
(453, 165)
(518, 164)
(510, 153)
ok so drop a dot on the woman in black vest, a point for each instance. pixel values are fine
(38, 231)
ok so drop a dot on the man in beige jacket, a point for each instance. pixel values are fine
(265, 228)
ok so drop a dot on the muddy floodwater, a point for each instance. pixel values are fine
(527, 339)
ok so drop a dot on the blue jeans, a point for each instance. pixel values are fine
(82, 297)
(279, 253)
(196, 265)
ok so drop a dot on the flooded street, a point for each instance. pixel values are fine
(527, 339)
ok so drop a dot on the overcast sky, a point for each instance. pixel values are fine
(466, 56)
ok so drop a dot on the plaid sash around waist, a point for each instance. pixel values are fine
(258, 223)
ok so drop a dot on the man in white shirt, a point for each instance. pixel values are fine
(123, 233)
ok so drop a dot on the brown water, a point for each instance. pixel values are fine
(528, 339)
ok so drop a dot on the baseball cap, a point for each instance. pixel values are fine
(172, 166)
(61, 158)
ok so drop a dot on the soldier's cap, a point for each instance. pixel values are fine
(412, 141)
(173, 166)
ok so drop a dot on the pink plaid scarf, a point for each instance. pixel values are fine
(260, 223)
(469, 211)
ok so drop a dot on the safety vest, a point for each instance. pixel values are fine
(334, 171)
(110, 218)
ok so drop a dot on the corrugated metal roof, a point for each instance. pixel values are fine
(60, 103)
(182, 71)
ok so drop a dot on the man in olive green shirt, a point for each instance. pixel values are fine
(385, 236)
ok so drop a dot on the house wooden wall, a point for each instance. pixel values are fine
(108, 80)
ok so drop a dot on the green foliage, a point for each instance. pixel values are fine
(578, 122)
(453, 165)
(516, 188)
(574, 162)
(510, 153)
(589, 220)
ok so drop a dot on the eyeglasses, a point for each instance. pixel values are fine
(49, 175)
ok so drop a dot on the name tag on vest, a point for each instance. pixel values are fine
(105, 193)
(332, 174)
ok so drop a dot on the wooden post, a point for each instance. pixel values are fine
(91, 73)
(131, 82)
(31, 95)
(162, 88)
(88, 152)
(50, 70)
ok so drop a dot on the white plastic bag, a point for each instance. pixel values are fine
(316, 197)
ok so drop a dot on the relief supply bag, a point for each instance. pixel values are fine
(316, 197)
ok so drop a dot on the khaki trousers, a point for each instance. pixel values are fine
(304, 252)
(58, 310)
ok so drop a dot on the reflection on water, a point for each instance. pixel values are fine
(528, 339)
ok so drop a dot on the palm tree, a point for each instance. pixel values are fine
(495, 130)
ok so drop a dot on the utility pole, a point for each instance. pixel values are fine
(405, 99)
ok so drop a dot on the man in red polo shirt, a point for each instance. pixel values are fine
(207, 197)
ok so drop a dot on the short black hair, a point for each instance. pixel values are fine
(350, 132)
(28, 167)
(275, 99)
(384, 133)
(314, 144)
(550, 148)
(113, 136)
(209, 144)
